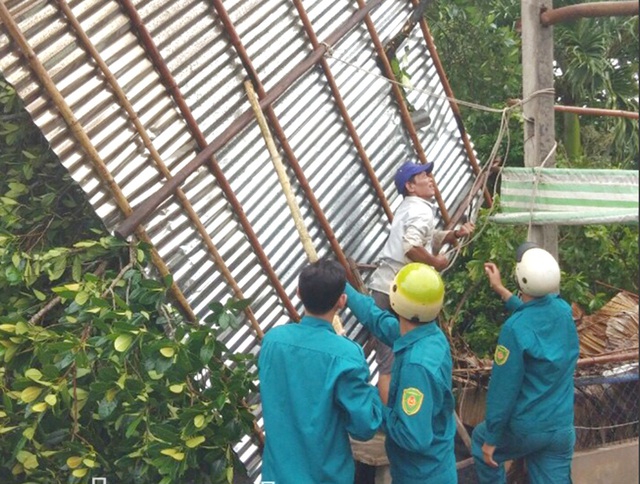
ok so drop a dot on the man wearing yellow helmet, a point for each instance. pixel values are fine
(530, 399)
(419, 415)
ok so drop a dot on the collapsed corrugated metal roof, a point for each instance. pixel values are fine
(132, 94)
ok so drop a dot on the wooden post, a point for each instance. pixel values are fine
(539, 130)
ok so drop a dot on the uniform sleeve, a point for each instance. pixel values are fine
(360, 401)
(506, 380)
(383, 324)
(409, 422)
(513, 303)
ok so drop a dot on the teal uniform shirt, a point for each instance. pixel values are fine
(315, 392)
(419, 417)
(531, 386)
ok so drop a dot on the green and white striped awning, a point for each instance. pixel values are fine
(556, 196)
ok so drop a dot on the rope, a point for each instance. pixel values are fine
(605, 427)
(504, 130)
(536, 180)
(519, 102)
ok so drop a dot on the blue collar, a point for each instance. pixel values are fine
(539, 301)
(318, 323)
(414, 335)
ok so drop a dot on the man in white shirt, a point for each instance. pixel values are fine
(412, 238)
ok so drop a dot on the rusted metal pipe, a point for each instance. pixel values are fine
(585, 10)
(282, 138)
(357, 142)
(437, 63)
(204, 156)
(613, 358)
(146, 208)
(596, 111)
(142, 132)
(617, 357)
(404, 110)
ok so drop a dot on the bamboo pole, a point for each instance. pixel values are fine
(596, 111)
(205, 156)
(85, 142)
(282, 138)
(613, 357)
(281, 171)
(142, 132)
(583, 10)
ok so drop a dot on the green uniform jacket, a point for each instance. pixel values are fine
(531, 387)
(418, 420)
(315, 392)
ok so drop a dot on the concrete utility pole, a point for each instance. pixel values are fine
(539, 129)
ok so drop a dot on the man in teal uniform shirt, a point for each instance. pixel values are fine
(315, 389)
(419, 416)
(530, 400)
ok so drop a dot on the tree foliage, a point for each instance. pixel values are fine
(596, 64)
(100, 375)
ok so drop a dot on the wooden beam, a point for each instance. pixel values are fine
(584, 10)
(538, 96)
(596, 111)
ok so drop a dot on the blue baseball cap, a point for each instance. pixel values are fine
(407, 170)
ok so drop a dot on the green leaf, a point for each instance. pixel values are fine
(59, 266)
(167, 351)
(27, 459)
(195, 441)
(12, 274)
(206, 352)
(29, 394)
(131, 428)
(76, 269)
(8, 201)
(33, 374)
(39, 407)
(123, 342)
(80, 473)
(81, 298)
(106, 407)
(199, 421)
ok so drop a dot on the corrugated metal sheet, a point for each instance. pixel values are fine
(197, 50)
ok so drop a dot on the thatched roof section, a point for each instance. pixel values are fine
(612, 328)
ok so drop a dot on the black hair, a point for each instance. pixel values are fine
(321, 284)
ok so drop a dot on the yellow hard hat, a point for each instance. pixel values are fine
(417, 293)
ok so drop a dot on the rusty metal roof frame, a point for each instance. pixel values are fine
(143, 103)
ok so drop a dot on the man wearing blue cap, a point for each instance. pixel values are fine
(412, 238)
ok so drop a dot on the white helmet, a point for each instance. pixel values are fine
(537, 272)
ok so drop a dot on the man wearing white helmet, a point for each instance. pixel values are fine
(530, 400)
(418, 418)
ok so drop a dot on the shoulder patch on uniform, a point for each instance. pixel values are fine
(411, 400)
(501, 355)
